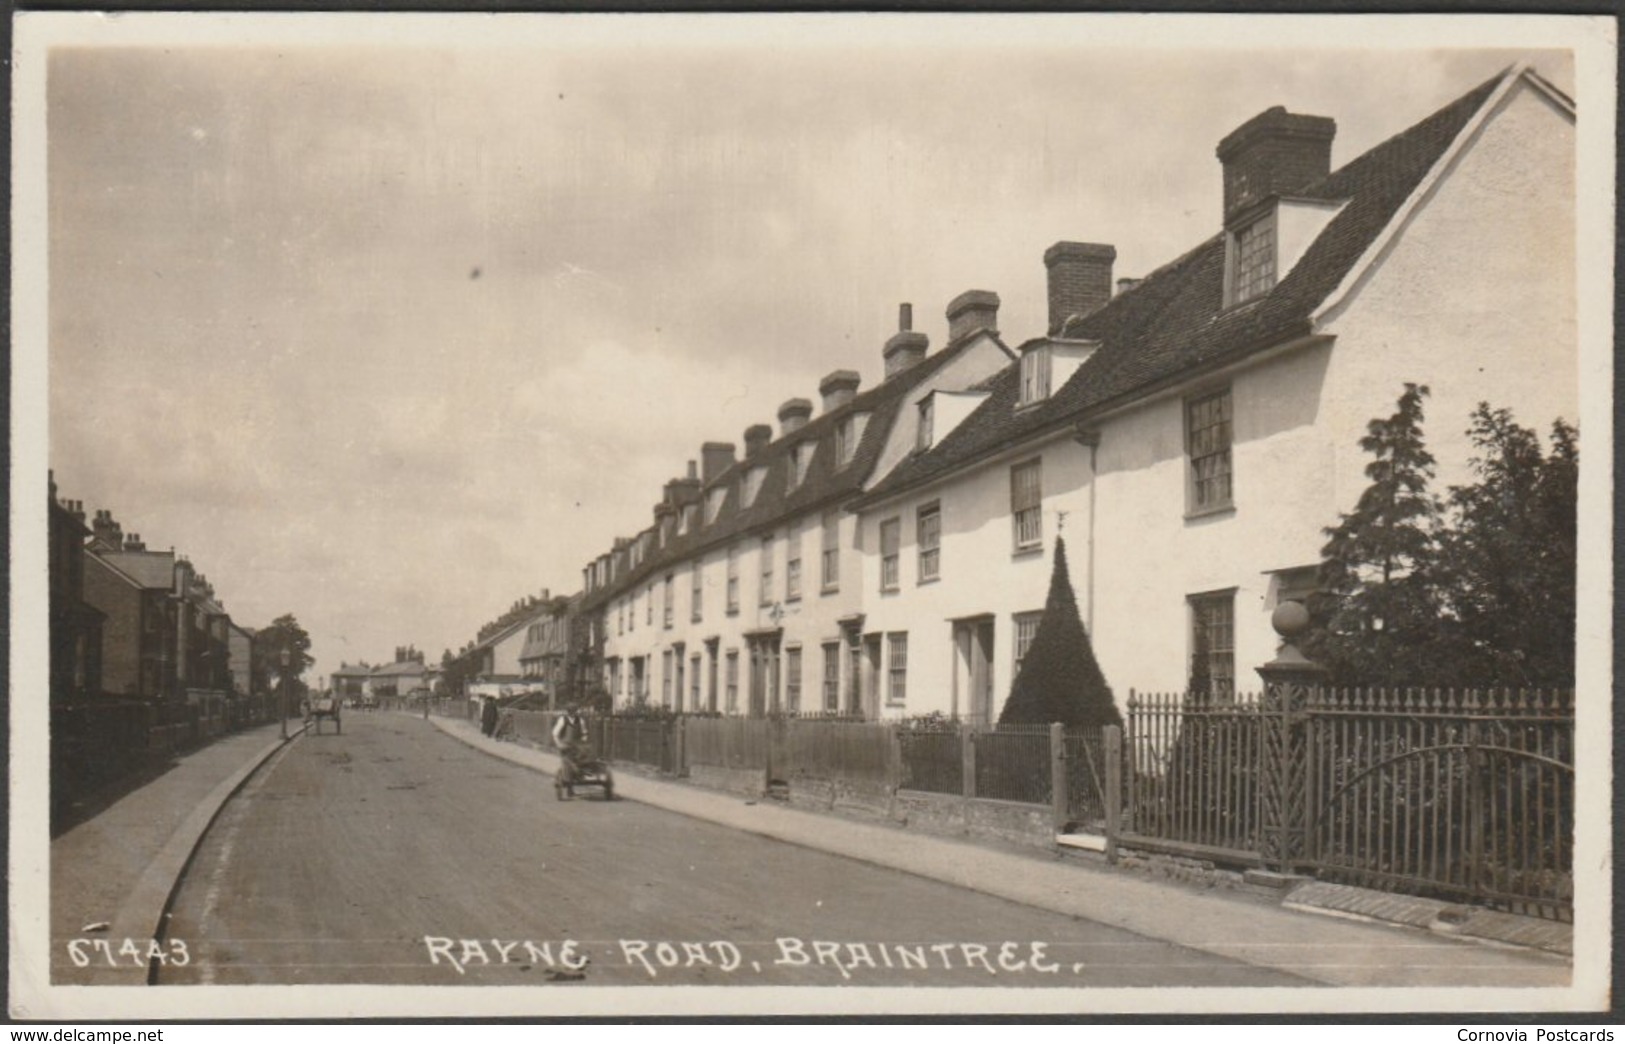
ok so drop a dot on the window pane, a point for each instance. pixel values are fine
(1213, 659)
(1210, 439)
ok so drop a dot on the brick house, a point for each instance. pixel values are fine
(76, 625)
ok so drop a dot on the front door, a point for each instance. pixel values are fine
(973, 670)
(981, 684)
(764, 676)
(871, 688)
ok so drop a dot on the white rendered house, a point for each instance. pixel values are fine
(1195, 432)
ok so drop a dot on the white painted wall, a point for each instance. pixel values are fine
(1474, 298)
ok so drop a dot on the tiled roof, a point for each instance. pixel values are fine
(155, 569)
(1174, 323)
(823, 485)
(397, 669)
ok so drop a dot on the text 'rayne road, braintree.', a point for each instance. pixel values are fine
(1008, 958)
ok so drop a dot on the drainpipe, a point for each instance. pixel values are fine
(1090, 438)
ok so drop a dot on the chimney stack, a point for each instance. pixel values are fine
(715, 458)
(133, 543)
(793, 415)
(971, 311)
(838, 388)
(1080, 280)
(108, 531)
(684, 491)
(905, 348)
(757, 436)
(1276, 153)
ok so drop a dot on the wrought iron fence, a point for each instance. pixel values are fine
(1083, 753)
(1451, 794)
(1191, 774)
(931, 760)
(1012, 763)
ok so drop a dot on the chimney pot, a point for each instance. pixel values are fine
(693, 470)
(905, 317)
(757, 436)
(838, 388)
(970, 311)
(1275, 153)
(1080, 280)
(793, 415)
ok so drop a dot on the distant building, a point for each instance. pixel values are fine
(76, 625)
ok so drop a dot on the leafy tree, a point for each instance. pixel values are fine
(1477, 592)
(458, 670)
(266, 663)
(1060, 681)
(1508, 559)
(1377, 612)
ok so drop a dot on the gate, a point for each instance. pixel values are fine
(1457, 795)
(1464, 795)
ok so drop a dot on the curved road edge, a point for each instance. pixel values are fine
(145, 911)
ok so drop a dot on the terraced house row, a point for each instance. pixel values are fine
(887, 553)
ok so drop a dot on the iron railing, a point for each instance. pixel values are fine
(1451, 793)
(931, 760)
(1012, 763)
(1459, 794)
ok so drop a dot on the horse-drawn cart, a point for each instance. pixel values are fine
(325, 706)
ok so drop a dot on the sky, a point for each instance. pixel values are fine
(387, 330)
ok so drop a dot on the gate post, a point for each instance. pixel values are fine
(967, 769)
(1284, 752)
(1112, 737)
(1059, 796)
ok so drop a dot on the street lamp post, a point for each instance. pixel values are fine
(284, 687)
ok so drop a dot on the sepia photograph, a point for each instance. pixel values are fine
(717, 515)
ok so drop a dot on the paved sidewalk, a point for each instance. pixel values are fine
(117, 868)
(1259, 931)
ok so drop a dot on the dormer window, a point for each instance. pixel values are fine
(753, 485)
(847, 436)
(801, 462)
(713, 503)
(1252, 255)
(922, 436)
(1035, 374)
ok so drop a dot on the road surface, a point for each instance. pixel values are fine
(393, 854)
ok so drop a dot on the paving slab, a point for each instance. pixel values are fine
(112, 875)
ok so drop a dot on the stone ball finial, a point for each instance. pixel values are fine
(1290, 620)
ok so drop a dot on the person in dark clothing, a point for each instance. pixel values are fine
(488, 717)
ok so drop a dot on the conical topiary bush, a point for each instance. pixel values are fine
(1060, 681)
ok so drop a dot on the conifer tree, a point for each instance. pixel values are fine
(1377, 613)
(1060, 681)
